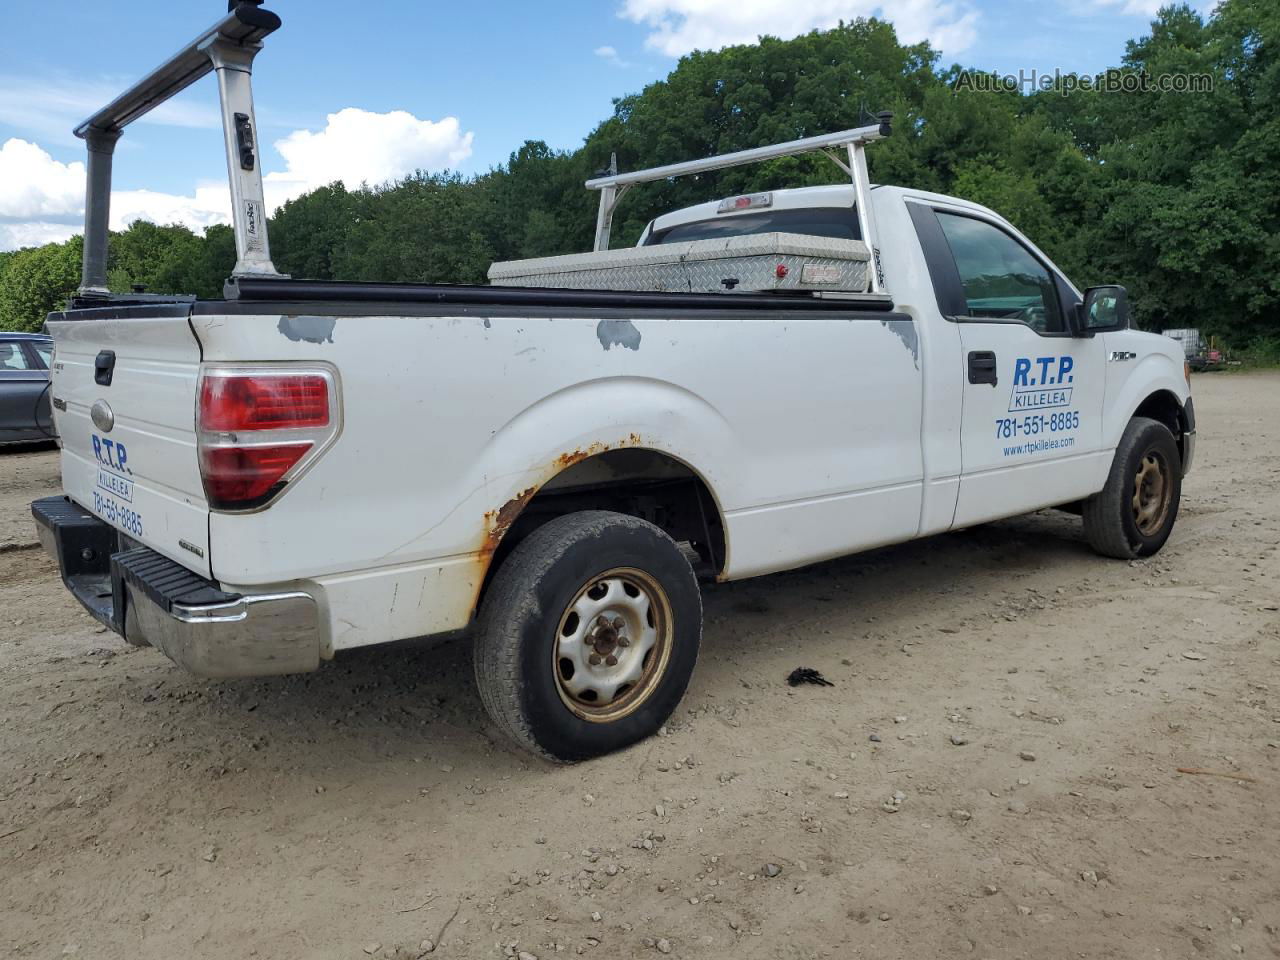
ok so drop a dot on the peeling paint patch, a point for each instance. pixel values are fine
(905, 330)
(309, 329)
(618, 333)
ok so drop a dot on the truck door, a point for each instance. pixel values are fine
(1031, 421)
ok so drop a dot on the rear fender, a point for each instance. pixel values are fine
(588, 419)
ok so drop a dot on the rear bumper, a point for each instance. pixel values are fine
(150, 600)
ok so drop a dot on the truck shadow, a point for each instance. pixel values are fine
(13, 448)
(416, 701)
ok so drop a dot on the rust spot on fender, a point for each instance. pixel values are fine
(572, 457)
(499, 520)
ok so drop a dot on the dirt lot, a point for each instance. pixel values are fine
(26, 472)
(1027, 703)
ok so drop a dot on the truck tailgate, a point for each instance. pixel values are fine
(129, 445)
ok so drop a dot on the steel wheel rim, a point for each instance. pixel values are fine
(639, 646)
(1152, 493)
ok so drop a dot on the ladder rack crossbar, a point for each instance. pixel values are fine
(860, 135)
(613, 185)
(227, 49)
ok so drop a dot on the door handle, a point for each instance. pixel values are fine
(982, 367)
(104, 367)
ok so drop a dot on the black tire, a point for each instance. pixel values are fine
(1113, 522)
(528, 605)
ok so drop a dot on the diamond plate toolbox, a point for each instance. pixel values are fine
(745, 264)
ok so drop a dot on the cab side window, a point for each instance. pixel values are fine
(1001, 279)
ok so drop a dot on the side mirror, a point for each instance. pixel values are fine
(1104, 309)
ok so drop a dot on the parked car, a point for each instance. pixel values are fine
(253, 484)
(24, 387)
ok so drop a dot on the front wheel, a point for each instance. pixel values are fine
(588, 635)
(1133, 515)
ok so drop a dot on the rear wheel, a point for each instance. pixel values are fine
(1133, 515)
(588, 635)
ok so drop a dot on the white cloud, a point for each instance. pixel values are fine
(357, 146)
(14, 236)
(209, 204)
(680, 26)
(1136, 8)
(610, 55)
(33, 184)
(1144, 8)
(42, 199)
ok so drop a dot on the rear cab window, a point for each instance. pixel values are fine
(838, 222)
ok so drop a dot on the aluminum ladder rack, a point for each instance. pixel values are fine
(613, 186)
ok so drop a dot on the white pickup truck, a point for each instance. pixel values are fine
(256, 483)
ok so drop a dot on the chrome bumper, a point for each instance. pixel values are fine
(151, 600)
(251, 636)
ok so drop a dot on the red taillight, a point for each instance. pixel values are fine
(259, 428)
(263, 402)
(234, 476)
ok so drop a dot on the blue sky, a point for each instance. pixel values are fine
(503, 71)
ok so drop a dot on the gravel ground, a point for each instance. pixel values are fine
(27, 471)
(994, 774)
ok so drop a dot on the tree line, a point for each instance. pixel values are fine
(1174, 194)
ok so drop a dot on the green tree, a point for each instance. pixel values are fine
(1015, 195)
(214, 262)
(428, 228)
(539, 206)
(744, 96)
(307, 232)
(1176, 195)
(161, 259)
(1189, 185)
(36, 281)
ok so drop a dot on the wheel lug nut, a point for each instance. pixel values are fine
(611, 660)
(618, 623)
(624, 642)
(594, 659)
